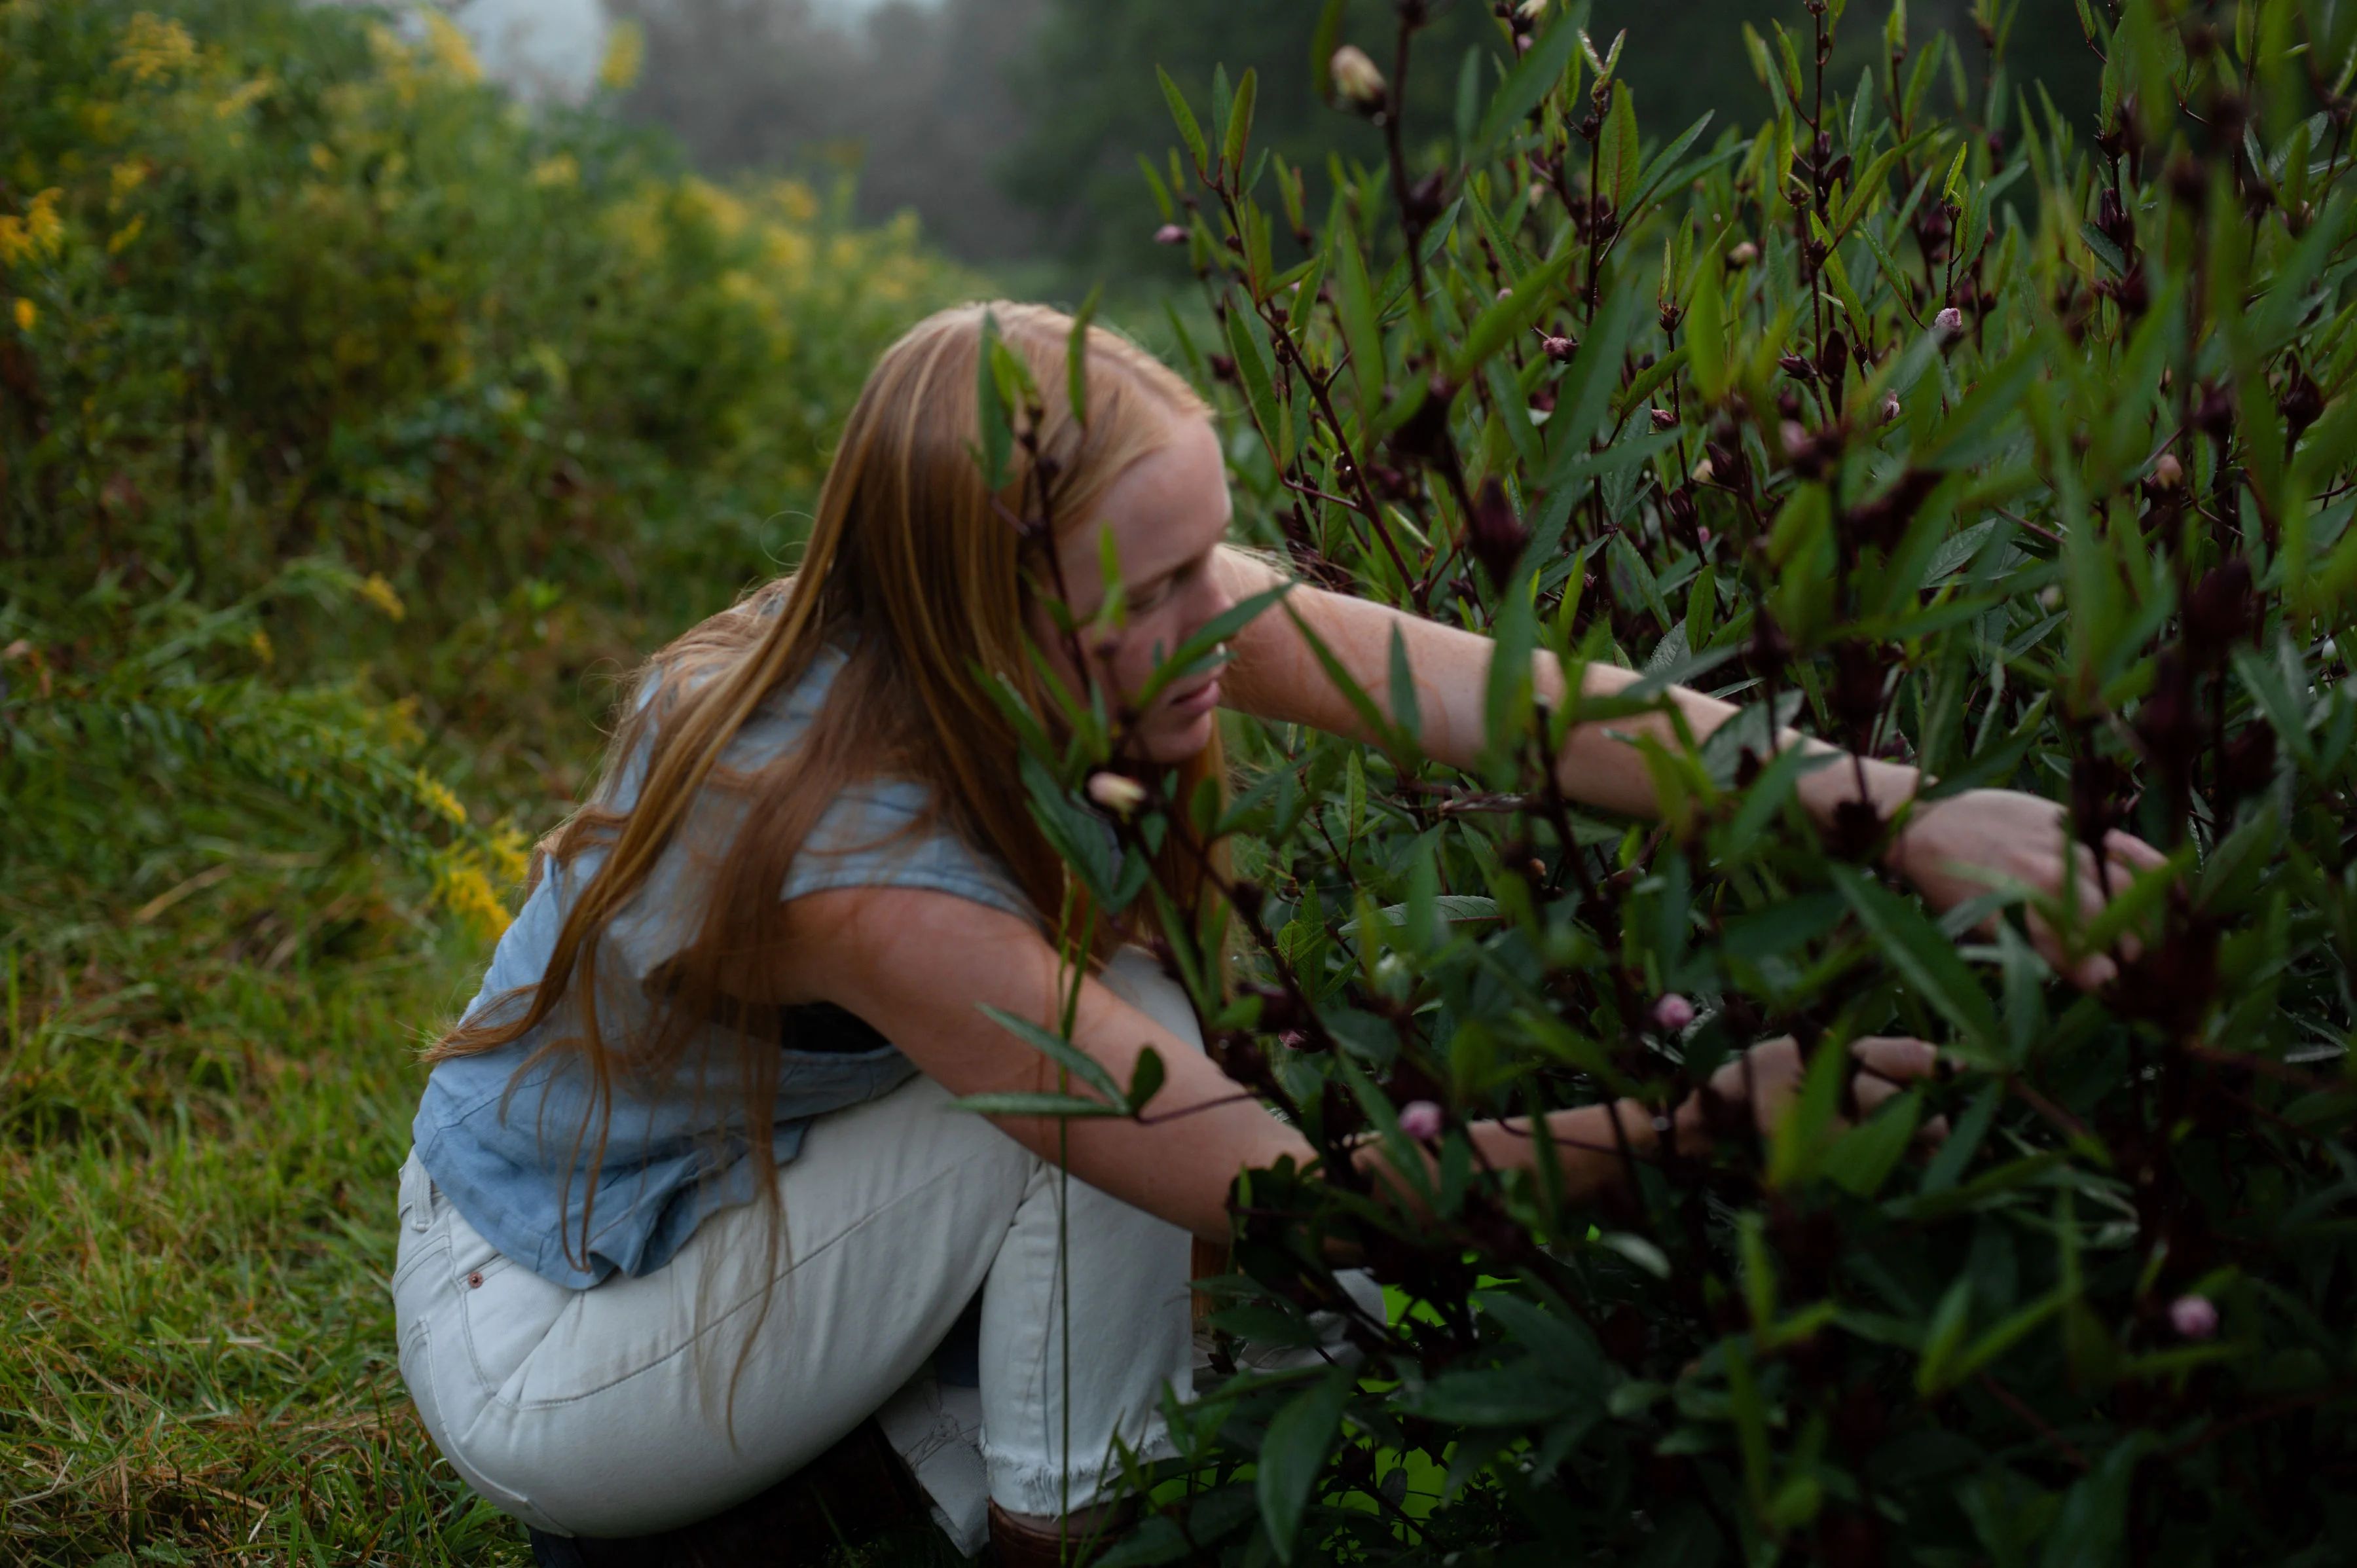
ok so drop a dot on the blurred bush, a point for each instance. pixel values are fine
(349, 413)
(1930, 421)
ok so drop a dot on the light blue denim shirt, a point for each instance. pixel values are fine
(663, 1169)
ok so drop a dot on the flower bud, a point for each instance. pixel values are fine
(1116, 794)
(1949, 323)
(2193, 1317)
(1420, 1120)
(1171, 234)
(1663, 419)
(1742, 253)
(1890, 408)
(1356, 78)
(1673, 1012)
(2168, 473)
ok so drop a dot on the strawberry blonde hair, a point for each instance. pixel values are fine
(920, 571)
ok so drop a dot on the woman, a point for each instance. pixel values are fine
(624, 1306)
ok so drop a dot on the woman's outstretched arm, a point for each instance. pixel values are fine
(921, 966)
(1952, 849)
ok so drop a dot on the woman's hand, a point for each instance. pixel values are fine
(1958, 848)
(1769, 1075)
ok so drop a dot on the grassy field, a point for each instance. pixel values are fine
(197, 1191)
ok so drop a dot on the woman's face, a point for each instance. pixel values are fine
(1166, 514)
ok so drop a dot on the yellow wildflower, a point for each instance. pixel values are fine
(796, 199)
(466, 891)
(125, 235)
(380, 593)
(511, 853)
(38, 235)
(244, 97)
(26, 315)
(562, 169)
(626, 51)
(450, 48)
(154, 47)
(127, 176)
(435, 795)
(261, 644)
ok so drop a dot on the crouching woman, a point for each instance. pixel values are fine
(687, 1203)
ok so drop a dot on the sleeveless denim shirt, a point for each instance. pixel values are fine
(663, 1168)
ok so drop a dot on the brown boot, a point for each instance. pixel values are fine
(1034, 1541)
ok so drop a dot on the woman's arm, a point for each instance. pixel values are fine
(1952, 850)
(921, 966)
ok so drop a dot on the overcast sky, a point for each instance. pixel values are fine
(554, 46)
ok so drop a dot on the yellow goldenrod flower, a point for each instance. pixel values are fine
(450, 48)
(26, 315)
(466, 891)
(154, 47)
(511, 853)
(38, 235)
(125, 235)
(380, 593)
(626, 51)
(435, 795)
(261, 644)
(244, 97)
(125, 178)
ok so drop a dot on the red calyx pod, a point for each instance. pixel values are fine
(1493, 536)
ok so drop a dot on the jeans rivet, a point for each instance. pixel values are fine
(475, 1279)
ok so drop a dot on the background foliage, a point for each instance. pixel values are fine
(356, 428)
(1949, 428)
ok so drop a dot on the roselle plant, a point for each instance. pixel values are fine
(1927, 421)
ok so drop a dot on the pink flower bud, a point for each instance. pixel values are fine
(1742, 253)
(1171, 234)
(1116, 794)
(1949, 323)
(1420, 1120)
(2193, 1317)
(1890, 408)
(1674, 1012)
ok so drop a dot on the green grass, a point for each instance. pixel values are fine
(199, 1129)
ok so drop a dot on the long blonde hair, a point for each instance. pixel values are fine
(914, 565)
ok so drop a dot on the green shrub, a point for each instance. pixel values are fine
(1914, 417)
(346, 399)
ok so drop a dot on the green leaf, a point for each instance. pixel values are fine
(1076, 354)
(1617, 152)
(1293, 1455)
(997, 438)
(1145, 1080)
(1913, 945)
(1665, 162)
(1240, 113)
(1527, 83)
(1862, 1160)
(1024, 1104)
(1065, 1054)
(1507, 318)
(1251, 367)
(1188, 131)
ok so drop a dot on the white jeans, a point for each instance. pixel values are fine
(605, 1412)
